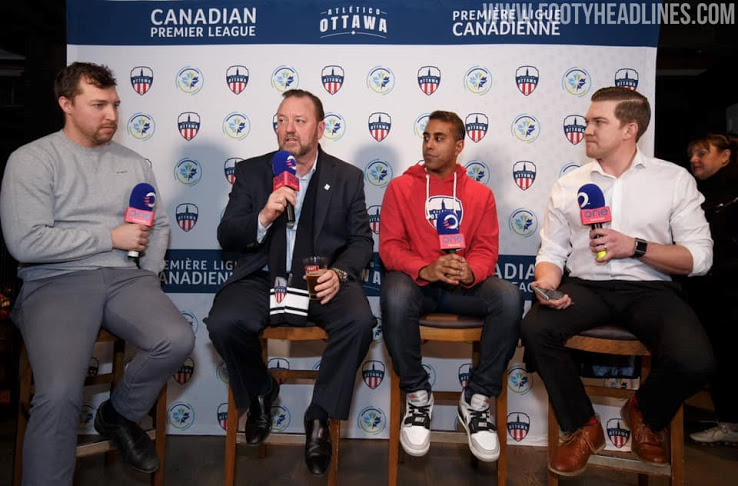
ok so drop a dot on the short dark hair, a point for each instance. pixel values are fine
(67, 80)
(450, 117)
(719, 141)
(301, 93)
(633, 107)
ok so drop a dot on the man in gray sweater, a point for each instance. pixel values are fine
(62, 205)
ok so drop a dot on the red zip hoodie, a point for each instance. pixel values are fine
(408, 239)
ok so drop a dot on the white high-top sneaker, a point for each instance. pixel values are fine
(722, 433)
(480, 429)
(415, 429)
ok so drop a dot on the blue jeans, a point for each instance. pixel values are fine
(497, 301)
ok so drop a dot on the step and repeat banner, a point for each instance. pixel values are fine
(200, 82)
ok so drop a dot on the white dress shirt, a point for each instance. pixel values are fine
(654, 200)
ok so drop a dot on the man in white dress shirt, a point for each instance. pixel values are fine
(658, 229)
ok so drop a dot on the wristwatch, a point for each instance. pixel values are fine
(640, 248)
(342, 275)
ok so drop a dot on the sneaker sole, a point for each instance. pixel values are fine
(484, 457)
(413, 452)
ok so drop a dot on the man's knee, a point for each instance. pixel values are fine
(397, 292)
(180, 342)
(502, 296)
(224, 323)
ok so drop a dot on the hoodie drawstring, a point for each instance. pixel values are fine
(427, 189)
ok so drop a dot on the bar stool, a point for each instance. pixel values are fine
(159, 415)
(287, 333)
(618, 341)
(447, 328)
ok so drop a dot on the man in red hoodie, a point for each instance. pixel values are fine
(422, 278)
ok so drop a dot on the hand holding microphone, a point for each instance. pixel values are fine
(284, 168)
(449, 268)
(594, 213)
(140, 213)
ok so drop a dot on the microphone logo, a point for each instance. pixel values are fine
(291, 164)
(583, 199)
(150, 199)
(450, 221)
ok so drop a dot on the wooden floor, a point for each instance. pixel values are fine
(198, 461)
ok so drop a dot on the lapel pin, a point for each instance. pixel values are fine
(327, 186)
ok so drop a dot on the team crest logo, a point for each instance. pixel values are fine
(190, 317)
(188, 172)
(188, 124)
(190, 80)
(372, 420)
(222, 415)
(93, 367)
(523, 222)
(373, 373)
(526, 78)
(518, 380)
(617, 434)
(431, 372)
(142, 77)
(524, 174)
(576, 81)
(222, 372)
(279, 363)
(464, 374)
(436, 205)
(627, 78)
(236, 126)
(86, 414)
(186, 215)
(280, 291)
(380, 80)
(378, 173)
(281, 418)
(574, 127)
(181, 416)
(141, 126)
(285, 78)
(335, 126)
(229, 169)
(429, 79)
(568, 167)
(478, 80)
(185, 371)
(332, 78)
(518, 425)
(476, 125)
(377, 330)
(420, 123)
(374, 216)
(237, 77)
(379, 125)
(622, 383)
(526, 128)
(478, 171)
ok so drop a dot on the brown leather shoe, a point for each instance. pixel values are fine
(570, 459)
(648, 445)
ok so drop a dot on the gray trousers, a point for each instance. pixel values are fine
(59, 318)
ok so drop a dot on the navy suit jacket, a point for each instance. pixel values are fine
(341, 231)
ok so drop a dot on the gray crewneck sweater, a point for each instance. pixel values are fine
(59, 202)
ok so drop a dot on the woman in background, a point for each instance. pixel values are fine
(715, 296)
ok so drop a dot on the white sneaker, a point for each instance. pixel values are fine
(722, 433)
(415, 429)
(482, 432)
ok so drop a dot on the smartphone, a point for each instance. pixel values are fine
(548, 294)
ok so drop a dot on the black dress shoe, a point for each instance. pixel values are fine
(135, 446)
(259, 420)
(318, 448)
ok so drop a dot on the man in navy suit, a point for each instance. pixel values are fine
(268, 286)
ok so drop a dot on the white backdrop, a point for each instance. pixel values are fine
(195, 105)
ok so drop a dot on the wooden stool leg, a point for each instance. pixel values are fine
(553, 445)
(160, 426)
(24, 406)
(231, 429)
(501, 421)
(394, 424)
(335, 431)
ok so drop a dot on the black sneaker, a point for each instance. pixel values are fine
(135, 446)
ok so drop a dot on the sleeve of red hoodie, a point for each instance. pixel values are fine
(482, 242)
(394, 241)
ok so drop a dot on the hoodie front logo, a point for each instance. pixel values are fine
(436, 205)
